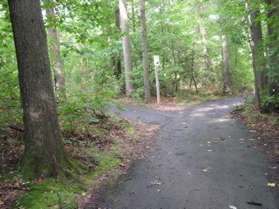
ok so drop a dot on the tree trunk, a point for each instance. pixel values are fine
(144, 52)
(117, 65)
(116, 55)
(226, 61)
(204, 39)
(258, 57)
(193, 74)
(273, 45)
(56, 55)
(44, 150)
(208, 61)
(133, 16)
(126, 46)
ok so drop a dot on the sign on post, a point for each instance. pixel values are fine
(157, 65)
(157, 60)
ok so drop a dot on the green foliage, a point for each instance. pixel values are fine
(85, 100)
(271, 103)
(256, 118)
(9, 94)
(251, 111)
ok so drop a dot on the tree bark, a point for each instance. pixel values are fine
(117, 65)
(226, 61)
(44, 150)
(258, 57)
(53, 33)
(133, 16)
(124, 25)
(193, 74)
(273, 45)
(116, 57)
(144, 51)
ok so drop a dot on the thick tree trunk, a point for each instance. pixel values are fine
(144, 52)
(124, 25)
(226, 61)
(273, 45)
(258, 57)
(56, 55)
(44, 150)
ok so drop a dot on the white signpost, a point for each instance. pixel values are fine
(157, 65)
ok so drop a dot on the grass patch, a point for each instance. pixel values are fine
(191, 97)
(49, 194)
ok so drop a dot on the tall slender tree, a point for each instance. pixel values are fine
(204, 37)
(226, 62)
(44, 150)
(53, 35)
(256, 44)
(133, 15)
(144, 51)
(116, 56)
(124, 25)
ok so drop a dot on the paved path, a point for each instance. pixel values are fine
(202, 159)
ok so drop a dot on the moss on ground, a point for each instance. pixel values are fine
(52, 193)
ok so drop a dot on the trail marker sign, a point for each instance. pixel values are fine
(157, 61)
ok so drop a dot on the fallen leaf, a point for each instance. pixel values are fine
(271, 184)
(156, 183)
(252, 139)
(255, 203)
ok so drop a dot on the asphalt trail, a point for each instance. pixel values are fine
(202, 159)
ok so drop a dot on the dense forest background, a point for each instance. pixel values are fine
(202, 44)
(216, 47)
